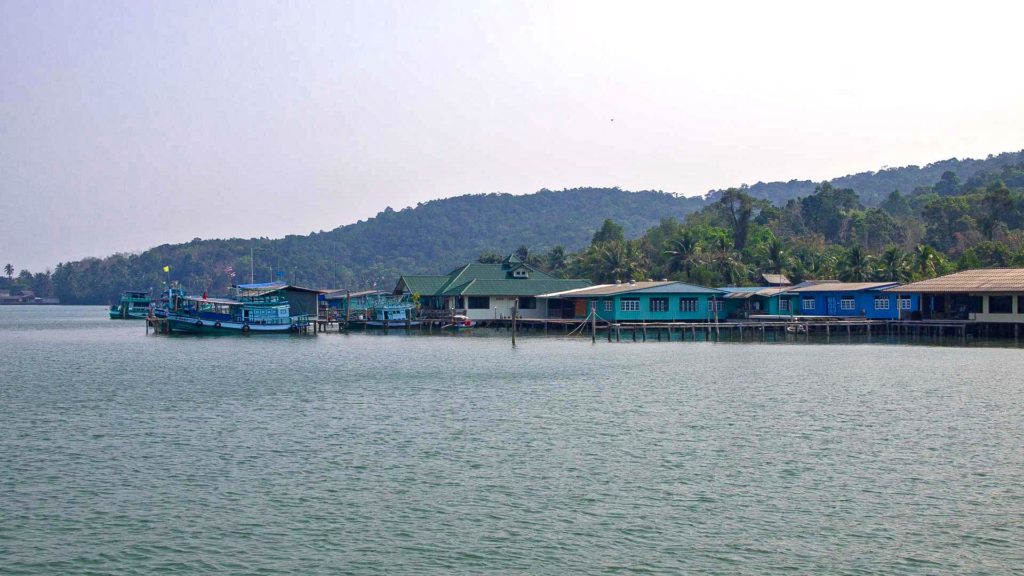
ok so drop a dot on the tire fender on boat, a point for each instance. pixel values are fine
(216, 324)
(293, 327)
(245, 327)
(199, 323)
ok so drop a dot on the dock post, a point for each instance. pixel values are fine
(515, 312)
(593, 323)
(348, 309)
(645, 331)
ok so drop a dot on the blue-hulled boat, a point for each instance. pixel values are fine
(203, 315)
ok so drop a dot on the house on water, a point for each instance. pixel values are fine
(488, 291)
(649, 301)
(853, 299)
(770, 298)
(302, 301)
(360, 301)
(994, 295)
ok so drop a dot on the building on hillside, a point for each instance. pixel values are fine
(853, 299)
(993, 295)
(302, 301)
(488, 291)
(650, 301)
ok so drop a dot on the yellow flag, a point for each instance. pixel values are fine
(167, 268)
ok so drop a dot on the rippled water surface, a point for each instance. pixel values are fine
(364, 454)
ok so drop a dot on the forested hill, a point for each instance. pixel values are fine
(431, 238)
(874, 187)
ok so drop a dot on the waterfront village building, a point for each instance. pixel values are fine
(334, 302)
(993, 295)
(769, 299)
(854, 299)
(301, 301)
(489, 291)
(650, 301)
(753, 301)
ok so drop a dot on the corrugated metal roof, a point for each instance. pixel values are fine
(983, 280)
(743, 292)
(775, 279)
(842, 287)
(661, 287)
(340, 294)
(226, 301)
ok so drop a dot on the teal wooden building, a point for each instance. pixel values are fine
(663, 301)
(753, 301)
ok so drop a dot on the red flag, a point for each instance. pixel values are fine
(204, 294)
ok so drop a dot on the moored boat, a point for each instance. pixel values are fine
(202, 315)
(460, 321)
(384, 311)
(134, 305)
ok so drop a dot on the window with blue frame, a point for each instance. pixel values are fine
(609, 305)
(807, 304)
(783, 305)
(629, 304)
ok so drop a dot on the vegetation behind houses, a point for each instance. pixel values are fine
(971, 214)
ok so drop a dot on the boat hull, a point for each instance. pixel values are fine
(394, 324)
(117, 315)
(193, 326)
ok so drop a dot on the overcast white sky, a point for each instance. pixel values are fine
(124, 125)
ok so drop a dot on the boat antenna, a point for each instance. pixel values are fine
(252, 268)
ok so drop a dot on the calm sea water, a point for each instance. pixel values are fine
(363, 454)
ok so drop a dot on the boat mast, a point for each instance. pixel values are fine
(252, 268)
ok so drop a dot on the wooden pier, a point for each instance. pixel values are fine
(746, 330)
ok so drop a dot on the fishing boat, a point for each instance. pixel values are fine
(204, 315)
(460, 321)
(384, 311)
(133, 305)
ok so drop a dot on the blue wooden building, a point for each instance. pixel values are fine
(663, 301)
(854, 299)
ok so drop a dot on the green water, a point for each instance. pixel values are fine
(364, 454)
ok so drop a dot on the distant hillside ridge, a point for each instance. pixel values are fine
(430, 238)
(874, 187)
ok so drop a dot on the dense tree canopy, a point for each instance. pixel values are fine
(971, 215)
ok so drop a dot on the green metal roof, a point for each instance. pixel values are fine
(423, 285)
(514, 287)
(489, 280)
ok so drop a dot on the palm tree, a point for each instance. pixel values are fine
(894, 265)
(685, 253)
(775, 259)
(857, 265)
(9, 270)
(926, 260)
(621, 260)
(557, 260)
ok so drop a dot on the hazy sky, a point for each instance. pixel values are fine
(124, 125)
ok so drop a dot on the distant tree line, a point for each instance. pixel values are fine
(828, 234)
(606, 234)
